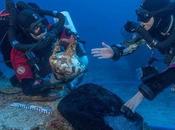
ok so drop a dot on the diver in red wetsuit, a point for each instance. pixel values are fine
(31, 38)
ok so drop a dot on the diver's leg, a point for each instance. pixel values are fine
(25, 75)
(155, 84)
(149, 89)
(14, 81)
(20, 65)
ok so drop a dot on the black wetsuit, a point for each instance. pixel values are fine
(163, 34)
(162, 37)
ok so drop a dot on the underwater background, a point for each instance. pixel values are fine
(102, 20)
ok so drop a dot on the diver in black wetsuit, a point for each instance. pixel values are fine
(28, 33)
(157, 28)
(29, 41)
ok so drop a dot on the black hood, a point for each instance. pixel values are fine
(153, 5)
(27, 17)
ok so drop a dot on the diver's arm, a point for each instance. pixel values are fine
(12, 28)
(58, 27)
(21, 5)
(124, 51)
(32, 46)
(117, 52)
(134, 27)
(166, 44)
(132, 45)
(114, 52)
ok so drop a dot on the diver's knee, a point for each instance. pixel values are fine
(155, 84)
(147, 92)
(153, 87)
(26, 85)
(29, 87)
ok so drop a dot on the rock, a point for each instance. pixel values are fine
(91, 107)
(18, 118)
(20, 112)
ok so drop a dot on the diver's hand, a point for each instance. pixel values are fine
(103, 53)
(134, 102)
(131, 26)
(128, 109)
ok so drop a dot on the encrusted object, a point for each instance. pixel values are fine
(65, 64)
(131, 46)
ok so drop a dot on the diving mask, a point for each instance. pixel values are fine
(143, 15)
(38, 28)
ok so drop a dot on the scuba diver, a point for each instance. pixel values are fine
(29, 42)
(156, 28)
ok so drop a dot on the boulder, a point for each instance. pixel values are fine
(92, 107)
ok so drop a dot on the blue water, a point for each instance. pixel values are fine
(102, 20)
